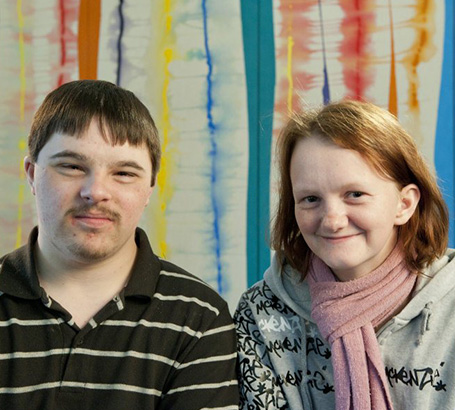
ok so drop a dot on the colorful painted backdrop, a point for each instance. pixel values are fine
(397, 54)
(219, 77)
(184, 60)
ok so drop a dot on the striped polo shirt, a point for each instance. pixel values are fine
(165, 342)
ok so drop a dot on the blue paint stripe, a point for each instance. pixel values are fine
(325, 88)
(119, 42)
(213, 153)
(444, 144)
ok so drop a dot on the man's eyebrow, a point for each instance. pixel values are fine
(130, 164)
(69, 154)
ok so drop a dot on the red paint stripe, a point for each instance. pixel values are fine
(62, 41)
(295, 23)
(356, 27)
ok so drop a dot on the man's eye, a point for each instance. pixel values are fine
(70, 167)
(126, 174)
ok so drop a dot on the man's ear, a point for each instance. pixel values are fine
(29, 167)
(409, 199)
(149, 194)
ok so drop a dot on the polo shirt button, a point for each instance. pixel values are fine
(80, 342)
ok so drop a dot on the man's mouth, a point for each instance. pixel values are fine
(93, 221)
(93, 218)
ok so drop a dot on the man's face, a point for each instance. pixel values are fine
(90, 195)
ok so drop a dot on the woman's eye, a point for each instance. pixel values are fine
(356, 194)
(310, 199)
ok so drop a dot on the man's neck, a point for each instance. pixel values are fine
(84, 288)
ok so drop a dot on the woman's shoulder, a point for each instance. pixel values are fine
(261, 300)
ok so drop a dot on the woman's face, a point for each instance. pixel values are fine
(347, 213)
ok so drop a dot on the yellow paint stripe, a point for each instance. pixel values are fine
(22, 142)
(163, 178)
(289, 73)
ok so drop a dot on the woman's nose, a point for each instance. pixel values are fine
(334, 217)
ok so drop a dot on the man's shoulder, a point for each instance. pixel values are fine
(16, 258)
(11, 253)
(179, 282)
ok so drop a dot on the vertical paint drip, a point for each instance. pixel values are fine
(213, 152)
(64, 36)
(292, 53)
(325, 87)
(119, 42)
(290, 49)
(163, 178)
(22, 144)
(62, 41)
(88, 38)
(289, 73)
(20, 23)
(422, 50)
(393, 95)
(357, 27)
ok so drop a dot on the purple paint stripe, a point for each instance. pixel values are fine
(326, 87)
(213, 153)
(119, 42)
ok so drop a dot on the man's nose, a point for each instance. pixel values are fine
(95, 189)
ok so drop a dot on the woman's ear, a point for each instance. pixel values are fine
(409, 199)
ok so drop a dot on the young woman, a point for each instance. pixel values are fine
(355, 310)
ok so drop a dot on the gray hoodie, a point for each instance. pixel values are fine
(285, 363)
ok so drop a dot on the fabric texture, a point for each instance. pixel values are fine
(286, 363)
(167, 341)
(346, 314)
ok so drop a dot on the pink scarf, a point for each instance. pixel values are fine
(346, 314)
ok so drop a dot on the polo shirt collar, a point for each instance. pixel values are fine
(146, 269)
(18, 271)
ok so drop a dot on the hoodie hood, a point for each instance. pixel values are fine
(287, 284)
(437, 281)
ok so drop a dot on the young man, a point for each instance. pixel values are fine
(89, 316)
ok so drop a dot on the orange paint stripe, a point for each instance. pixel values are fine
(423, 48)
(393, 94)
(88, 38)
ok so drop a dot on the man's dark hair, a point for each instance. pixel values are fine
(121, 117)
